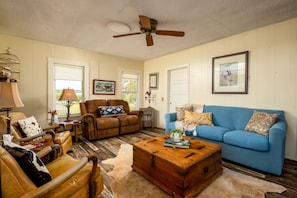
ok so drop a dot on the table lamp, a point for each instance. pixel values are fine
(69, 96)
(9, 98)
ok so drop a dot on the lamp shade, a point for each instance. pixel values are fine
(9, 95)
(68, 94)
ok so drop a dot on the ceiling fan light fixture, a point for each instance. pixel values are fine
(118, 27)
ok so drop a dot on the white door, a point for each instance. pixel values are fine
(178, 87)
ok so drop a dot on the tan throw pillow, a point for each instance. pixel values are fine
(198, 118)
(180, 111)
(261, 122)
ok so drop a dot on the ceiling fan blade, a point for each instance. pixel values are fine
(149, 40)
(170, 33)
(130, 34)
(145, 22)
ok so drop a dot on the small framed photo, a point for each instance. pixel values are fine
(153, 80)
(104, 87)
(230, 74)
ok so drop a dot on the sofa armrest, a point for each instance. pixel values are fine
(169, 117)
(88, 125)
(138, 113)
(56, 182)
(278, 132)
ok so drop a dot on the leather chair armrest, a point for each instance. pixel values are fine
(28, 139)
(55, 183)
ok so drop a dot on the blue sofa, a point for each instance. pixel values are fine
(247, 148)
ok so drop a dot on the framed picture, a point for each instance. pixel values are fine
(104, 87)
(153, 80)
(230, 74)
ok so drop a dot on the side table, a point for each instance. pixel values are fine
(148, 117)
(72, 126)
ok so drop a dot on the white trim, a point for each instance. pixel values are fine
(51, 84)
(167, 82)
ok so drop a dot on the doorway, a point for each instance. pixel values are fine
(178, 89)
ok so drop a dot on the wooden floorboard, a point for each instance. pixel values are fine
(108, 148)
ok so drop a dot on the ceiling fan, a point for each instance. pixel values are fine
(149, 26)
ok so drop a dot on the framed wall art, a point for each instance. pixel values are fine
(153, 80)
(104, 87)
(230, 74)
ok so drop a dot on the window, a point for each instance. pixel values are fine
(129, 89)
(67, 74)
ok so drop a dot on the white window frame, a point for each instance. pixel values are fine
(51, 81)
(139, 74)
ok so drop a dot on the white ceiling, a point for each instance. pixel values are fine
(83, 23)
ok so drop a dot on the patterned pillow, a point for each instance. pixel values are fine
(29, 126)
(108, 111)
(180, 111)
(198, 118)
(30, 163)
(261, 122)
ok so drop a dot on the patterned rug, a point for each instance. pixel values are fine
(127, 183)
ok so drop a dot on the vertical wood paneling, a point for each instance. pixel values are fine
(272, 73)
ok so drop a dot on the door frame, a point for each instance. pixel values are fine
(168, 70)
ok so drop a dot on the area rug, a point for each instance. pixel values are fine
(127, 183)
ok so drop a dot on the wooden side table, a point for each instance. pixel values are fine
(72, 126)
(148, 117)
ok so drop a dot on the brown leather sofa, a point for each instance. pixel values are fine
(94, 126)
(63, 138)
(70, 178)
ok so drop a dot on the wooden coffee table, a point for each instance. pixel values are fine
(179, 172)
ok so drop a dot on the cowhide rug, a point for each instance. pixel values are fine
(127, 183)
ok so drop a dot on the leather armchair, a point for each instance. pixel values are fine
(96, 127)
(63, 138)
(70, 178)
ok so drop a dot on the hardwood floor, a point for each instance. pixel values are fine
(108, 148)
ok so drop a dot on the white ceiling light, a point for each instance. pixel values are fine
(118, 27)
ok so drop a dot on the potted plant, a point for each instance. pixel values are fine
(176, 135)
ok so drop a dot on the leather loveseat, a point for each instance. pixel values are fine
(262, 152)
(117, 119)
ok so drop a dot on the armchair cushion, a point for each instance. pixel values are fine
(29, 126)
(30, 163)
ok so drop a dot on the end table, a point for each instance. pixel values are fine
(73, 125)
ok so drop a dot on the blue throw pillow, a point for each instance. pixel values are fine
(107, 111)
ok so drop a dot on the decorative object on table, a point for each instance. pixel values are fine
(104, 87)
(230, 74)
(54, 117)
(9, 98)
(70, 96)
(153, 80)
(173, 144)
(8, 62)
(148, 97)
(176, 139)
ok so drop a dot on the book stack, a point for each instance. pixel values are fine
(181, 144)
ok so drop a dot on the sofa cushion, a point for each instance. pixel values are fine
(29, 126)
(198, 118)
(261, 122)
(126, 120)
(215, 133)
(108, 111)
(247, 140)
(30, 163)
(107, 123)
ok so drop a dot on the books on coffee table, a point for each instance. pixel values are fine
(181, 144)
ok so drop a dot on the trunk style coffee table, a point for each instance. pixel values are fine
(179, 172)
